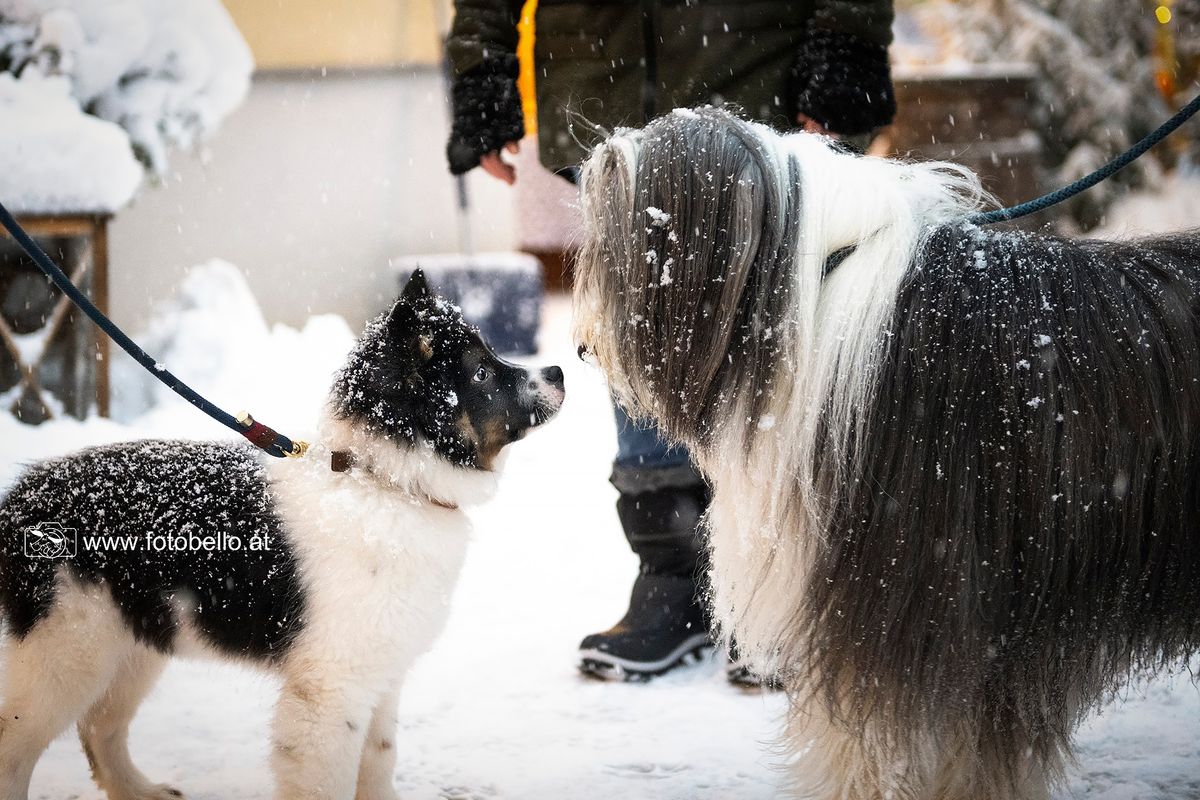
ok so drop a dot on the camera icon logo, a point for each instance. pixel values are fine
(50, 540)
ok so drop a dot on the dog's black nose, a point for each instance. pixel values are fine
(553, 375)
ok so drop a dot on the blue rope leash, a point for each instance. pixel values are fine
(260, 435)
(1088, 181)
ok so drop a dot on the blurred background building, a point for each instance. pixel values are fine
(332, 165)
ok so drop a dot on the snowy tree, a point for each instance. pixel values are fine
(1096, 92)
(162, 74)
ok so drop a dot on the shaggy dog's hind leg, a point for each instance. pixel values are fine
(839, 761)
(956, 762)
(104, 730)
(51, 677)
(379, 752)
(966, 771)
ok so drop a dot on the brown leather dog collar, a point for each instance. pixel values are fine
(341, 460)
(344, 460)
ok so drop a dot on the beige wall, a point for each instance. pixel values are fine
(303, 34)
(310, 187)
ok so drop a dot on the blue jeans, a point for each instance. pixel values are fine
(645, 462)
(662, 499)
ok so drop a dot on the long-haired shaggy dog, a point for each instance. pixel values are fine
(956, 469)
(118, 557)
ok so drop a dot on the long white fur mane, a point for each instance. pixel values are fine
(767, 515)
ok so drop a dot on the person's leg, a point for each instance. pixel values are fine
(662, 498)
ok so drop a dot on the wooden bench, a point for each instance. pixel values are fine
(52, 358)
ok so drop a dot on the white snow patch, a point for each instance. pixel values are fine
(54, 158)
(212, 335)
(658, 217)
(30, 346)
(665, 278)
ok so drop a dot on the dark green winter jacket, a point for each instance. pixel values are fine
(622, 62)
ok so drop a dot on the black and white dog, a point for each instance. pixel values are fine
(956, 470)
(333, 570)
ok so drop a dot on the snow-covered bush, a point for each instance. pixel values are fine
(45, 141)
(163, 73)
(1096, 91)
(213, 332)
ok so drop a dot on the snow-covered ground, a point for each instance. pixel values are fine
(496, 709)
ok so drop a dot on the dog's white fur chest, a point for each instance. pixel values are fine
(378, 567)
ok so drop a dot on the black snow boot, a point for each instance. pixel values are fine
(665, 626)
(741, 673)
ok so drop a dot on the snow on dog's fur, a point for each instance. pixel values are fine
(956, 470)
(341, 580)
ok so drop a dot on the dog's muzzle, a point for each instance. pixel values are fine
(547, 389)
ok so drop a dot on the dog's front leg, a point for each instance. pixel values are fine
(379, 752)
(319, 729)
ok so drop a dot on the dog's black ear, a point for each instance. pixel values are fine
(416, 290)
(409, 330)
(403, 317)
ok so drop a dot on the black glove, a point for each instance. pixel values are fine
(487, 112)
(843, 82)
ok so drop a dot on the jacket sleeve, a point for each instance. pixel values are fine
(841, 77)
(869, 20)
(485, 102)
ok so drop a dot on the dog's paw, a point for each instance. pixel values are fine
(383, 794)
(377, 790)
(158, 791)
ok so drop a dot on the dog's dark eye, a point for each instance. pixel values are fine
(481, 375)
